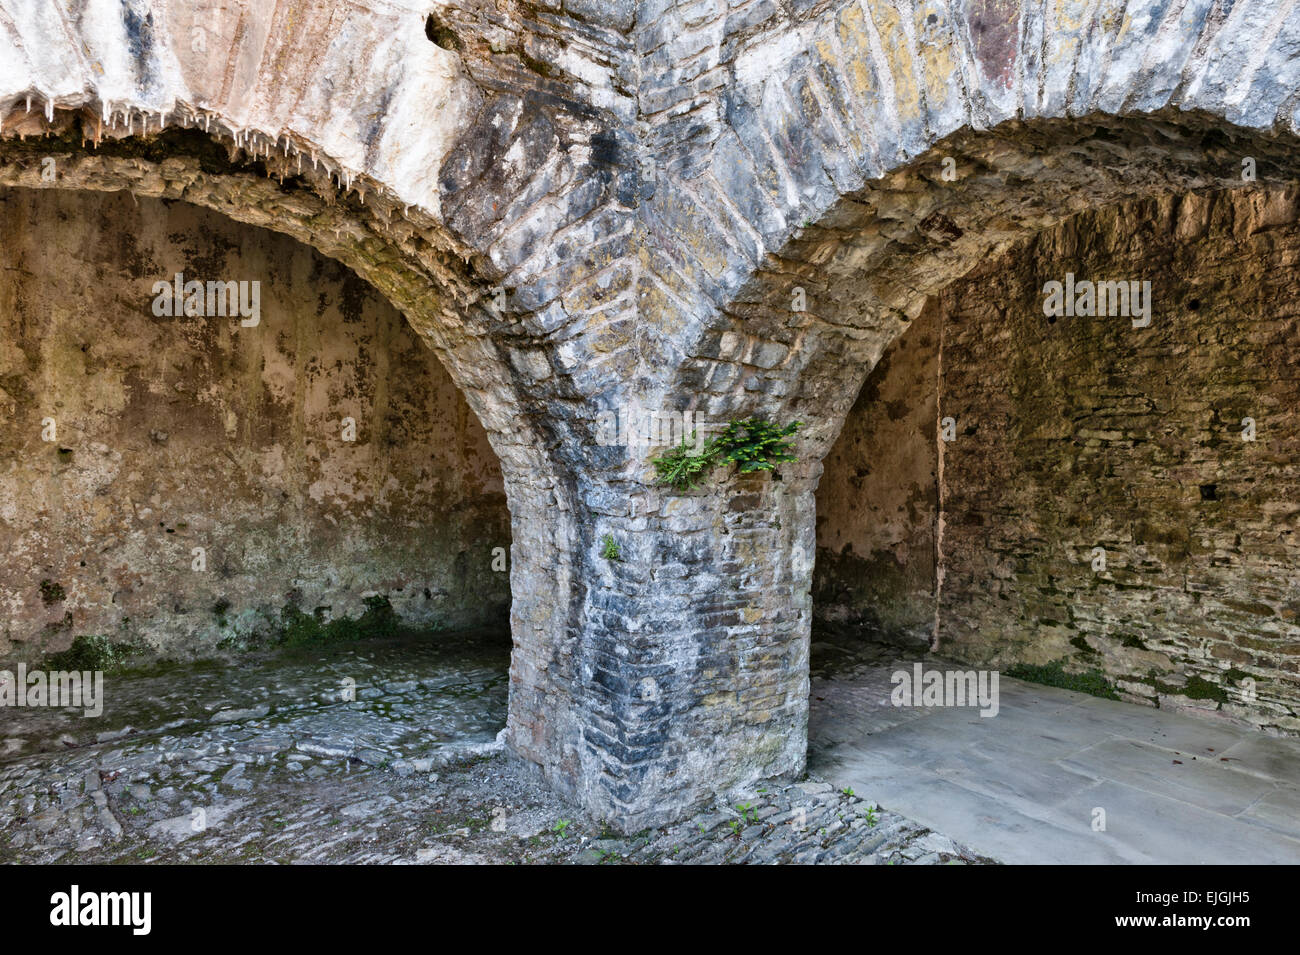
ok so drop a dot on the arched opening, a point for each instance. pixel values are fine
(267, 518)
(1097, 501)
(272, 530)
(1110, 495)
(444, 289)
(798, 340)
(283, 459)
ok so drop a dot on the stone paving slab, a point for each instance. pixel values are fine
(1148, 828)
(1009, 836)
(1266, 757)
(1173, 731)
(1023, 786)
(1278, 810)
(1200, 782)
(1019, 780)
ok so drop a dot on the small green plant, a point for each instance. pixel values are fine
(752, 445)
(747, 812)
(847, 790)
(735, 827)
(755, 445)
(562, 827)
(609, 548)
(299, 628)
(682, 467)
(870, 813)
(1092, 682)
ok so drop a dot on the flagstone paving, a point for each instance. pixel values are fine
(1031, 784)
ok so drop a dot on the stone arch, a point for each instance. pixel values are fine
(820, 167)
(868, 265)
(808, 105)
(257, 127)
(786, 144)
(486, 172)
(449, 156)
(1149, 542)
(422, 275)
(316, 456)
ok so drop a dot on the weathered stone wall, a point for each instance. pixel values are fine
(1077, 433)
(865, 270)
(583, 206)
(179, 432)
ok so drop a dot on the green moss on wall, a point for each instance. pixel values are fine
(91, 652)
(1092, 681)
(378, 620)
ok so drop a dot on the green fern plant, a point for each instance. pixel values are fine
(682, 467)
(755, 445)
(752, 445)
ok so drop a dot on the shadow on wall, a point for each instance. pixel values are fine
(1118, 499)
(877, 500)
(190, 482)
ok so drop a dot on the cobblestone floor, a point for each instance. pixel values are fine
(377, 752)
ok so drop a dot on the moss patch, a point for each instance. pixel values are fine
(219, 611)
(1093, 682)
(378, 620)
(92, 653)
(1201, 689)
(1196, 688)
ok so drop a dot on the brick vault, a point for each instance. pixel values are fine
(594, 205)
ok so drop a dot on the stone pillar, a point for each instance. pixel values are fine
(543, 726)
(642, 685)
